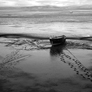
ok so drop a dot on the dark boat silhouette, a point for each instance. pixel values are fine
(58, 40)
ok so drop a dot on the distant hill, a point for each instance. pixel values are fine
(49, 8)
(83, 7)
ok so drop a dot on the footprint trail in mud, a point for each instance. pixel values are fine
(76, 65)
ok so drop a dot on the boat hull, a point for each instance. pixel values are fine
(58, 40)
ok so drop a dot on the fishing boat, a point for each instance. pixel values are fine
(58, 40)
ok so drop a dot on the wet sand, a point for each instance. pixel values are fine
(52, 69)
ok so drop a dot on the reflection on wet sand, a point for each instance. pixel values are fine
(57, 50)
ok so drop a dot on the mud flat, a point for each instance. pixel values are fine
(38, 67)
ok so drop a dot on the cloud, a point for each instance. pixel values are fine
(43, 2)
(7, 3)
(66, 2)
(18, 3)
(27, 3)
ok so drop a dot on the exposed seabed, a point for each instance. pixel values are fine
(28, 65)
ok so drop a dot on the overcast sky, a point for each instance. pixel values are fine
(44, 2)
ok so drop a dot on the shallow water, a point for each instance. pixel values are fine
(25, 25)
(45, 70)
